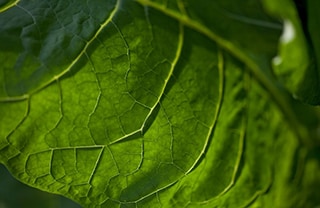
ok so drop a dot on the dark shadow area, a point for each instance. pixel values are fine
(301, 6)
(14, 194)
(309, 88)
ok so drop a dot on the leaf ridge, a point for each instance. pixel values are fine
(217, 112)
(76, 60)
(279, 95)
(15, 3)
(27, 110)
(144, 126)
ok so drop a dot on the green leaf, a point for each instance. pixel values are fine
(296, 64)
(159, 103)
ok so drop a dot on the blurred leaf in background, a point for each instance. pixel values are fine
(14, 194)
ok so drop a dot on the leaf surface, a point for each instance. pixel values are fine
(153, 103)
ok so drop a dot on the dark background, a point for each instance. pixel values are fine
(14, 194)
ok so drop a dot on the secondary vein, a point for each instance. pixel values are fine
(83, 51)
(276, 92)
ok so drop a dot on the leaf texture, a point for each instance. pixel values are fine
(154, 104)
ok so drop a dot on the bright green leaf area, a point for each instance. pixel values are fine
(162, 103)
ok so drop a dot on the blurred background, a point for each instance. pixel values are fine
(14, 194)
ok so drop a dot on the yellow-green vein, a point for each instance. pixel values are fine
(277, 93)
